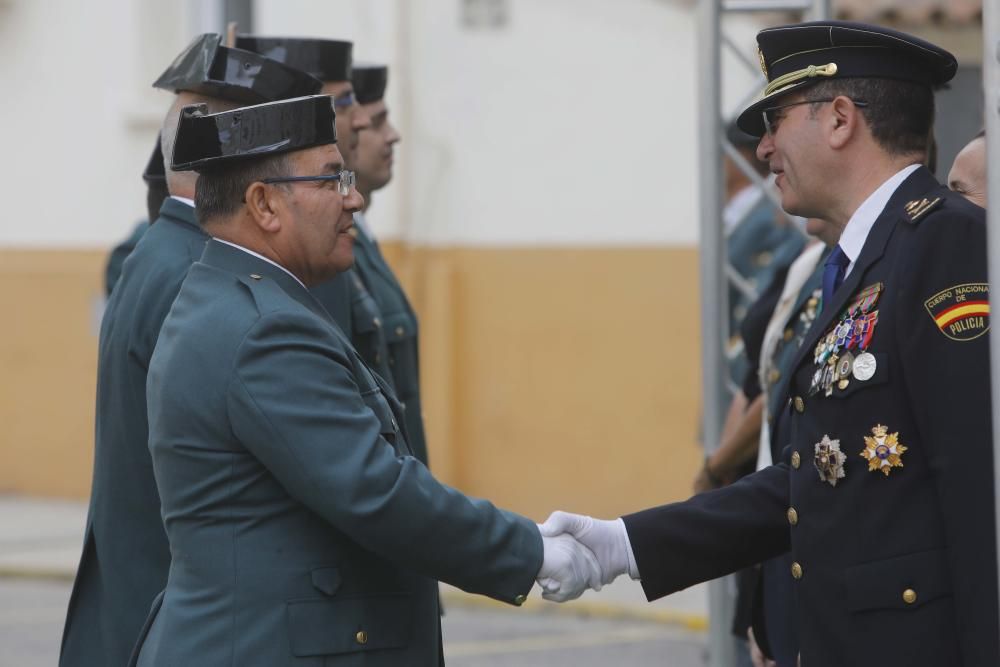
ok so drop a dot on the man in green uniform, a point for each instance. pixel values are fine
(125, 553)
(302, 529)
(330, 61)
(399, 321)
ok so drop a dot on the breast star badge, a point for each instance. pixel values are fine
(883, 451)
(829, 460)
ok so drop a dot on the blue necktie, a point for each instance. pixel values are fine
(833, 273)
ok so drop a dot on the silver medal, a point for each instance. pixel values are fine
(864, 366)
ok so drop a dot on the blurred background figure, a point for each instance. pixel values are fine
(968, 171)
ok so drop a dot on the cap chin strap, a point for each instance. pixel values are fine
(810, 72)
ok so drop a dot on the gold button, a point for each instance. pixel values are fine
(796, 571)
(800, 405)
(909, 596)
(774, 375)
(400, 331)
(793, 516)
(796, 460)
(789, 334)
(361, 637)
(377, 322)
(255, 276)
(519, 600)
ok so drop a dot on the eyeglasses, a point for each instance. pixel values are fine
(346, 178)
(346, 100)
(771, 117)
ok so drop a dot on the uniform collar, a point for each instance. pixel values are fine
(259, 256)
(853, 238)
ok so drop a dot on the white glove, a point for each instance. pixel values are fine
(568, 569)
(607, 539)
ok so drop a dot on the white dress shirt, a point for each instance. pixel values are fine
(259, 256)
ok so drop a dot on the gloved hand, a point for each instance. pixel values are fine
(606, 539)
(568, 569)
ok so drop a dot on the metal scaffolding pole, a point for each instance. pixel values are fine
(714, 269)
(991, 116)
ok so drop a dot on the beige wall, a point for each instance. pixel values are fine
(538, 365)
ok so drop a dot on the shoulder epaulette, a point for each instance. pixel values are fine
(918, 208)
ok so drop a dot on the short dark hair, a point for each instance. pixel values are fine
(900, 114)
(219, 192)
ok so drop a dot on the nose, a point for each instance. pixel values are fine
(354, 201)
(394, 136)
(360, 119)
(765, 148)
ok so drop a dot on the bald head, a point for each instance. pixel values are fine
(968, 172)
(182, 183)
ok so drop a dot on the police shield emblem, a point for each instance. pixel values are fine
(961, 312)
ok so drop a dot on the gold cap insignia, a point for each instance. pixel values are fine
(883, 451)
(763, 63)
(829, 460)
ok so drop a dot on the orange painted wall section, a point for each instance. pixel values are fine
(553, 378)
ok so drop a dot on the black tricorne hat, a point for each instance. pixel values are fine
(325, 59)
(369, 82)
(155, 172)
(211, 140)
(208, 68)
(796, 56)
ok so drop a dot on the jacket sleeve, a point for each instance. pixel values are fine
(295, 403)
(946, 375)
(712, 534)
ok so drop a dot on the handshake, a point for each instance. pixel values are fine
(581, 552)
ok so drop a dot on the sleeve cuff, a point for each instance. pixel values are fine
(633, 568)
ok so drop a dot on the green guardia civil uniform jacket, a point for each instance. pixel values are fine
(125, 554)
(397, 326)
(302, 530)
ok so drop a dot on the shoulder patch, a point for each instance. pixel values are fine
(918, 208)
(961, 312)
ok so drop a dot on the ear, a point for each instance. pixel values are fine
(844, 122)
(264, 205)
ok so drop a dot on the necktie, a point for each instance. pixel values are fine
(833, 273)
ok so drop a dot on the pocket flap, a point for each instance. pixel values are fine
(399, 327)
(349, 624)
(326, 579)
(881, 376)
(886, 584)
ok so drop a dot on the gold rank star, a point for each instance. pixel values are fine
(883, 450)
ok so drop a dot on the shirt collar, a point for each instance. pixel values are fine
(259, 256)
(853, 238)
(183, 200)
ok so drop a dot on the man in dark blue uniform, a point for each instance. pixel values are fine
(125, 554)
(884, 496)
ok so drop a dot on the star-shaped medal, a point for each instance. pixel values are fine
(829, 460)
(883, 450)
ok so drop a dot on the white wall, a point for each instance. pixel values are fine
(572, 124)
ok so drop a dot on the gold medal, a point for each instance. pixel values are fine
(883, 450)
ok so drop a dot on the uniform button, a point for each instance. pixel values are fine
(377, 322)
(796, 460)
(796, 571)
(255, 276)
(909, 596)
(793, 516)
(400, 331)
(789, 334)
(519, 600)
(800, 405)
(361, 637)
(774, 375)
